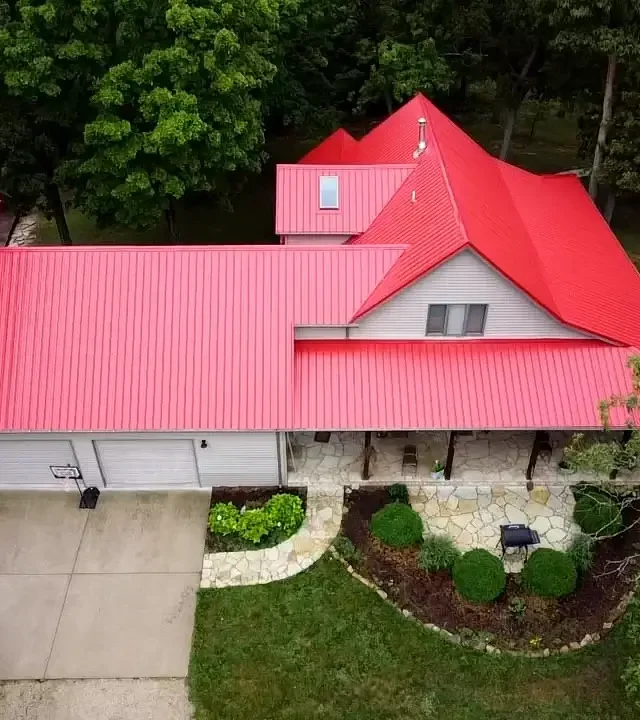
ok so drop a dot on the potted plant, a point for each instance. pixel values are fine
(565, 467)
(437, 470)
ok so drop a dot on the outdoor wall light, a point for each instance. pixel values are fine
(204, 444)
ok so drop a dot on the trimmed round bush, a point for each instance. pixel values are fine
(253, 525)
(438, 552)
(597, 514)
(549, 573)
(398, 525)
(399, 492)
(479, 576)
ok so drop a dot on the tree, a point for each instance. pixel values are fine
(180, 112)
(607, 29)
(51, 53)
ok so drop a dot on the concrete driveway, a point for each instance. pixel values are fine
(104, 593)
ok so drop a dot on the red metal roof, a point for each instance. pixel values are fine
(363, 191)
(337, 148)
(541, 232)
(166, 338)
(368, 385)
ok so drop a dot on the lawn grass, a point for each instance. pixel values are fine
(321, 645)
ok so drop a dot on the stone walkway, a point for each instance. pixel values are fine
(472, 516)
(256, 567)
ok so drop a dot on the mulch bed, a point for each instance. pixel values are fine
(432, 598)
(252, 497)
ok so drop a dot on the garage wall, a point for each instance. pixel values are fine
(228, 459)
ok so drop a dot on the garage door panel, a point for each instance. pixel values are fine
(147, 463)
(26, 463)
(239, 458)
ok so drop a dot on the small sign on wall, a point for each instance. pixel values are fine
(66, 472)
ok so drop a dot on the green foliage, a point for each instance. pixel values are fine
(600, 457)
(438, 552)
(598, 515)
(398, 525)
(286, 512)
(479, 576)
(179, 112)
(517, 608)
(223, 518)
(253, 525)
(400, 70)
(399, 493)
(549, 573)
(582, 551)
(347, 550)
(631, 681)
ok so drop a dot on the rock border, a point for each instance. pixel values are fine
(474, 642)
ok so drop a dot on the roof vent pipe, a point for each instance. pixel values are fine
(422, 138)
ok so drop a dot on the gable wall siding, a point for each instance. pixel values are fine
(465, 278)
(316, 239)
(320, 332)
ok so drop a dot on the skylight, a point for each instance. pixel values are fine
(329, 192)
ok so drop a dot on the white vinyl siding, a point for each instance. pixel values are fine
(147, 463)
(320, 332)
(26, 463)
(464, 279)
(239, 458)
(316, 239)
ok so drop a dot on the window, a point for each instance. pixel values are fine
(436, 319)
(328, 192)
(456, 319)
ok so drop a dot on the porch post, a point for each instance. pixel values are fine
(533, 458)
(367, 455)
(626, 436)
(448, 466)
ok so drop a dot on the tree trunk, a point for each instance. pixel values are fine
(603, 130)
(57, 208)
(610, 205)
(388, 100)
(518, 98)
(14, 223)
(512, 114)
(170, 215)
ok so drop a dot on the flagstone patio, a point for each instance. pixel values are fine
(472, 516)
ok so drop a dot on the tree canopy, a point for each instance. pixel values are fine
(125, 107)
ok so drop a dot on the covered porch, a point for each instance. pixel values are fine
(469, 458)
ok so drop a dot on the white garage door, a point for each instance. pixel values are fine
(25, 463)
(147, 464)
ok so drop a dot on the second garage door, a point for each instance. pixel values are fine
(147, 464)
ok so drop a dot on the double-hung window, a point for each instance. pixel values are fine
(456, 319)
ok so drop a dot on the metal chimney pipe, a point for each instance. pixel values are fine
(422, 138)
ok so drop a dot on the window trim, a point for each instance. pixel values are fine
(465, 332)
(337, 181)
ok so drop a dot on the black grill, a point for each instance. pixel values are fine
(517, 536)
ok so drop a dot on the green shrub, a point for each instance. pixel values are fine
(223, 518)
(398, 525)
(582, 551)
(479, 576)
(632, 624)
(631, 681)
(253, 525)
(597, 514)
(347, 550)
(438, 552)
(549, 573)
(286, 512)
(399, 493)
